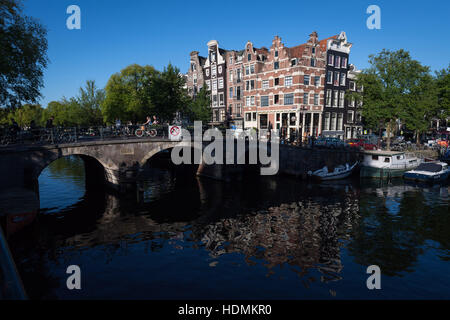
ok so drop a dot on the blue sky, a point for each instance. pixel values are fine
(117, 33)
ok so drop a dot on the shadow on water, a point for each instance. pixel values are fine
(263, 237)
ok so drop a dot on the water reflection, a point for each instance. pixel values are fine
(300, 240)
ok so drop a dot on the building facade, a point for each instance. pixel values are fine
(298, 90)
(336, 105)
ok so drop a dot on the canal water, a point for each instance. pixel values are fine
(260, 238)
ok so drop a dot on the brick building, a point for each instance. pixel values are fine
(297, 90)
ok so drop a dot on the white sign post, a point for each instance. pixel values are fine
(175, 133)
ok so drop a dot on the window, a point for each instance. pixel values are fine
(341, 98)
(358, 117)
(327, 122)
(316, 99)
(330, 59)
(277, 81)
(276, 53)
(276, 65)
(247, 101)
(329, 98)
(221, 100)
(276, 99)
(317, 81)
(254, 116)
(387, 160)
(238, 75)
(252, 100)
(352, 102)
(337, 62)
(375, 158)
(231, 92)
(306, 80)
(265, 84)
(305, 98)
(313, 62)
(213, 71)
(247, 70)
(352, 85)
(238, 110)
(289, 99)
(292, 119)
(207, 72)
(214, 85)
(336, 78)
(222, 114)
(215, 100)
(248, 116)
(249, 57)
(252, 69)
(216, 115)
(264, 101)
(344, 62)
(238, 93)
(343, 78)
(263, 121)
(231, 76)
(333, 122)
(247, 85)
(330, 77)
(231, 60)
(288, 81)
(220, 69)
(313, 50)
(293, 62)
(252, 84)
(340, 124)
(220, 83)
(208, 84)
(335, 98)
(350, 117)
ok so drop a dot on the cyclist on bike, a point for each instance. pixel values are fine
(148, 122)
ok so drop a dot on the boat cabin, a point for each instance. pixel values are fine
(388, 159)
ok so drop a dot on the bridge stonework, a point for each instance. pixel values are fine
(118, 162)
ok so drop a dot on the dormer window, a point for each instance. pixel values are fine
(276, 53)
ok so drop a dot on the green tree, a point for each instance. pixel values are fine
(128, 94)
(89, 103)
(390, 87)
(168, 93)
(200, 106)
(27, 113)
(421, 106)
(23, 55)
(443, 93)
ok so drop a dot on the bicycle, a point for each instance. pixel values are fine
(145, 131)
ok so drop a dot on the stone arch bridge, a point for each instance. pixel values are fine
(117, 162)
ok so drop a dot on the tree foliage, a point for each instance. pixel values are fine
(127, 94)
(23, 55)
(200, 106)
(168, 94)
(397, 87)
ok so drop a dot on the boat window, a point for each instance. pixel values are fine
(399, 157)
(374, 157)
(387, 160)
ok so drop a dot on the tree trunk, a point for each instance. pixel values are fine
(417, 137)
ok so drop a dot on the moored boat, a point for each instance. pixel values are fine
(429, 172)
(339, 172)
(386, 164)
